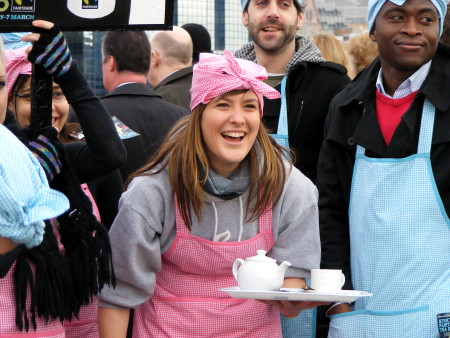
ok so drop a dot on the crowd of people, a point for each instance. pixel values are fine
(121, 216)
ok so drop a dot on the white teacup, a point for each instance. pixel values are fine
(327, 280)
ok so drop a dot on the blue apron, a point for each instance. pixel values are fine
(400, 245)
(304, 325)
(282, 136)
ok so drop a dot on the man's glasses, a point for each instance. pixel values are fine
(56, 96)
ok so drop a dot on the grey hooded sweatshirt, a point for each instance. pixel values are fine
(145, 228)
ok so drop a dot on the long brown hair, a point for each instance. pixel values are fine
(183, 153)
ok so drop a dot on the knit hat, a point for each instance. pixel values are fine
(376, 5)
(201, 39)
(26, 197)
(245, 2)
(16, 63)
(215, 75)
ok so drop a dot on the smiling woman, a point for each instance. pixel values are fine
(219, 188)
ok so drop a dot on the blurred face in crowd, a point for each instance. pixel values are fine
(20, 104)
(272, 24)
(407, 36)
(229, 126)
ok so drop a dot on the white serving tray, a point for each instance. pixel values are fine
(297, 295)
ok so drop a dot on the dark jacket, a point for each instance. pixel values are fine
(347, 126)
(176, 88)
(146, 113)
(311, 84)
(310, 88)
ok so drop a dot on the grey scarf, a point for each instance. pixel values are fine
(230, 187)
(306, 51)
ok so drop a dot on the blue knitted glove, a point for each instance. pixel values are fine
(51, 51)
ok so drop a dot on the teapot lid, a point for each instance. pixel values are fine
(260, 257)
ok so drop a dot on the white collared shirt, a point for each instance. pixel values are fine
(410, 85)
(125, 83)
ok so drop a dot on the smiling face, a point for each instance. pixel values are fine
(407, 35)
(272, 24)
(229, 125)
(20, 104)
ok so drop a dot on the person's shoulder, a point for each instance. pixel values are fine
(334, 67)
(131, 89)
(325, 74)
(327, 68)
(174, 108)
(149, 182)
(363, 80)
(296, 178)
(298, 187)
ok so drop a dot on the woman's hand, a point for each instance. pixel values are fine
(48, 49)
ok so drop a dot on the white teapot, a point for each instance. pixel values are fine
(260, 273)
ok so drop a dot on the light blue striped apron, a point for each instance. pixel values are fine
(400, 245)
(303, 326)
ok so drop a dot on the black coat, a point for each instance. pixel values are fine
(146, 113)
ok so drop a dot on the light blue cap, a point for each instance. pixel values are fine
(375, 6)
(245, 2)
(25, 197)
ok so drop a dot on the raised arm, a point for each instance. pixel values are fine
(103, 151)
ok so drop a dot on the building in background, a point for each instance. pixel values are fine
(355, 15)
(331, 18)
(86, 49)
(222, 18)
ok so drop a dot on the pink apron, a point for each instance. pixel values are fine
(8, 328)
(87, 192)
(85, 326)
(186, 301)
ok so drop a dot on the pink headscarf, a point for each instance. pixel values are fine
(16, 63)
(215, 75)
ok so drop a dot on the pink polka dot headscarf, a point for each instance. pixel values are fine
(215, 75)
(16, 63)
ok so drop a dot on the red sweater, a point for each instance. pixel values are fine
(390, 111)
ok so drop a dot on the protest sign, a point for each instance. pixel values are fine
(84, 15)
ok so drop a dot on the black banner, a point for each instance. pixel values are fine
(86, 15)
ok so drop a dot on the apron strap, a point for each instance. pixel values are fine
(282, 135)
(426, 128)
(180, 225)
(282, 121)
(265, 220)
